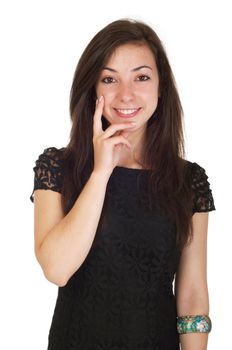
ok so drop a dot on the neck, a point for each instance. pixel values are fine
(132, 158)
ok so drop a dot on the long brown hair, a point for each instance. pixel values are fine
(164, 152)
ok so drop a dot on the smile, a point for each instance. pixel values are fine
(127, 112)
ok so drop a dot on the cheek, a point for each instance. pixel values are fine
(109, 97)
(150, 90)
(151, 97)
(106, 92)
(99, 90)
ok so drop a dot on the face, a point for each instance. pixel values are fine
(130, 85)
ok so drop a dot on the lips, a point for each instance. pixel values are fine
(127, 112)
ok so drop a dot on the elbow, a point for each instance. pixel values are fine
(56, 278)
(51, 271)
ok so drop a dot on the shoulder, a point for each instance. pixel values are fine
(200, 185)
(52, 153)
(197, 175)
(195, 171)
(48, 170)
(50, 158)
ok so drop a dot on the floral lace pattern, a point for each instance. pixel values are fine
(121, 297)
(48, 171)
(203, 201)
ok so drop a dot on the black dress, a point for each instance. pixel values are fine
(121, 297)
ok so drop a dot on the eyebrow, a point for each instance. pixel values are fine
(133, 70)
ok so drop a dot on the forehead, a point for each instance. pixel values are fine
(132, 54)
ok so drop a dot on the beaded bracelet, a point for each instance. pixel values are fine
(194, 324)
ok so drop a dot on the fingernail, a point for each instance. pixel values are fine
(100, 98)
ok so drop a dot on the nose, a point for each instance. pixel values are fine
(125, 92)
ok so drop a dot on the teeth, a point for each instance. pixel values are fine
(127, 111)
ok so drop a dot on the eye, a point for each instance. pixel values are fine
(143, 78)
(107, 80)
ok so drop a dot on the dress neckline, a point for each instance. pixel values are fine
(123, 168)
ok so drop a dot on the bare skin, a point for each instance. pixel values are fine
(63, 242)
(130, 81)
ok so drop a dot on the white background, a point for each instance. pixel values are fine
(41, 42)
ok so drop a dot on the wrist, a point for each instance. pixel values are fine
(194, 324)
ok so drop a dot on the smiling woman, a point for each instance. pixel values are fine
(131, 92)
(119, 211)
(129, 88)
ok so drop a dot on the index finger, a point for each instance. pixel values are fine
(97, 123)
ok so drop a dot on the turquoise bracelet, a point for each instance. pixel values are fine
(194, 324)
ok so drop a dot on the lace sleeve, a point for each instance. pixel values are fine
(48, 171)
(202, 194)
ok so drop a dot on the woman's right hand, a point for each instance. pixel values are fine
(107, 148)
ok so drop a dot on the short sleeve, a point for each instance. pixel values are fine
(48, 171)
(202, 194)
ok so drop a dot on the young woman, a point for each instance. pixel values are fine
(119, 212)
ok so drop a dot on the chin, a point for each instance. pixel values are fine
(109, 121)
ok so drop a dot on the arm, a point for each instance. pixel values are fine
(62, 243)
(191, 282)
